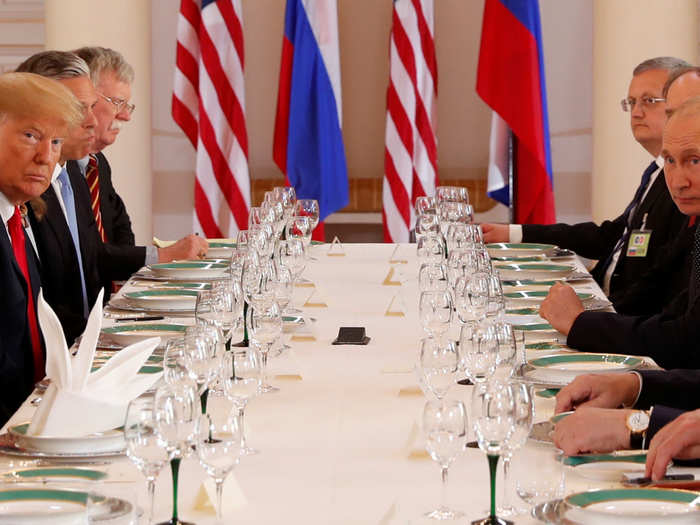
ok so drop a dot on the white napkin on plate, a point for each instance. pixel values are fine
(78, 401)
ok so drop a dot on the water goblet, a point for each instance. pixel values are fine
(507, 351)
(425, 204)
(478, 351)
(144, 446)
(299, 228)
(538, 470)
(432, 277)
(431, 248)
(437, 365)
(478, 293)
(445, 429)
(308, 208)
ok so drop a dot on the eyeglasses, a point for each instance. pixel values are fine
(119, 104)
(647, 102)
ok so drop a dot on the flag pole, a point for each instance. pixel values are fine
(512, 152)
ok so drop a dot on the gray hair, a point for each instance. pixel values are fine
(100, 59)
(58, 65)
(667, 63)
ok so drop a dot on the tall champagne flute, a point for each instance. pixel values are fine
(438, 365)
(493, 426)
(240, 377)
(445, 429)
(176, 409)
(265, 325)
(218, 448)
(524, 414)
(144, 445)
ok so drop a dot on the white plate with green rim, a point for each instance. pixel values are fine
(513, 249)
(534, 327)
(546, 345)
(220, 249)
(110, 441)
(563, 368)
(540, 271)
(36, 506)
(558, 417)
(539, 295)
(189, 270)
(132, 333)
(43, 475)
(634, 506)
(519, 258)
(185, 285)
(163, 298)
(606, 467)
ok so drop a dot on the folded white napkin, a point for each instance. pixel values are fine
(78, 401)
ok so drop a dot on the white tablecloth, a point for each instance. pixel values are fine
(340, 446)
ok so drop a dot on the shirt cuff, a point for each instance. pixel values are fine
(515, 233)
(151, 255)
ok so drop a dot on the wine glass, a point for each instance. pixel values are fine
(299, 228)
(201, 360)
(284, 286)
(265, 326)
(432, 277)
(478, 293)
(292, 254)
(219, 449)
(445, 429)
(427, 223)
(522, 425)
(438, 365)
(478, 351)
(240, 377)
(431, 248)
(452, 193)
(144, 445)
(175, 369)
(176, 409)
(496, 303)
(425, 204)
(539, 473)
(493, 425)
(507, 351)
(435, 309)
(308, 208)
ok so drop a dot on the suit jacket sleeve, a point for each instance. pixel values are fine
(115, 218)
(672, 388)
(670, 338)
(587, 239)
(660, 416)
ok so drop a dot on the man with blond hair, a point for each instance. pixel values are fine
(35, 114)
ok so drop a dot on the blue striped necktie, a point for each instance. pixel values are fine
(69, 203)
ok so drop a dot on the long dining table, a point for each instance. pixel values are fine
(341, 441)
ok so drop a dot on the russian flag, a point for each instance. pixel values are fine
(511, 81)
(308, 142)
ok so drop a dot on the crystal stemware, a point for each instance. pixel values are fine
(445, 429)
(240, 377)
(265, 325)
(438, 365)
(435, 310)
(144, 446)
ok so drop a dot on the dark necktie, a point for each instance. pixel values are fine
(92, 176)
(19, 247)
(627, 214)
(694, 287)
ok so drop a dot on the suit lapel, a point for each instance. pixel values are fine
(6, 246)
(657, 190)
(56, 220)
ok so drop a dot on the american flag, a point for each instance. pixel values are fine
(209, 106)
(410, 156)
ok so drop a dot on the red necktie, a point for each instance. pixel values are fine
(92, 175)
(19, 247)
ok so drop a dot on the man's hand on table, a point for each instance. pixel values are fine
(599, 390)
(593, 430)
(495, 232)
(678, 439)
(561, 307)
(190, 247)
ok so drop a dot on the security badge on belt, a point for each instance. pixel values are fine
(639, 241)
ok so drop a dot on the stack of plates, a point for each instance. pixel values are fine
(132, 333)
(220, 248)
(537, 296)
(108, 442)
(187, 270)
(522, 249)
(561, 369)
(540, 271)
(163, 299)
(607, 467)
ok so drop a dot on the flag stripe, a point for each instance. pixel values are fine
(410, 160)
(209, 105)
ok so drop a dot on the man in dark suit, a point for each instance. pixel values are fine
(35, 113)
(599, 425)
(651, 209)
(66, 231)
(671, 336)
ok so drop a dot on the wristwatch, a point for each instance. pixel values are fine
(637, 423)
